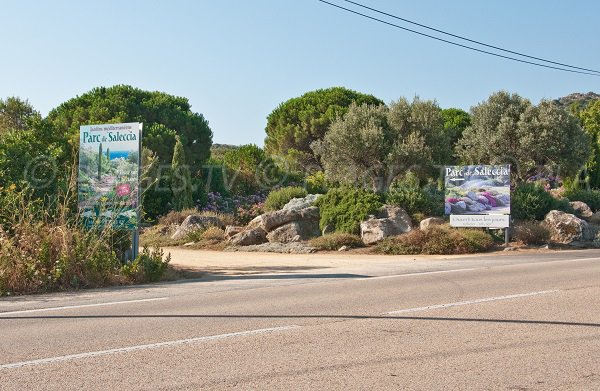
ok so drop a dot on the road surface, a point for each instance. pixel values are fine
(518, 322)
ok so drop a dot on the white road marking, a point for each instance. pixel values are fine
(81, 306)
(129, 349)
(476, 268)
(417, 274)
(467, 302)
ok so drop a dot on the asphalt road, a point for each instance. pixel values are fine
(519, 322)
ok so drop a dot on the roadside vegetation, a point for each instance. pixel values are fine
(353, 149)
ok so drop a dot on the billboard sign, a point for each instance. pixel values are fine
(477, 190)
(108, 180)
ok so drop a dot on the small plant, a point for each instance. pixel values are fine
(531, 232)
(343, 209)
(278, 198)
(336, 240)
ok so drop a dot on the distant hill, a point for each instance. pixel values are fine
(581, 100)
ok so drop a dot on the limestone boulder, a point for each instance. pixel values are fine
(249, 237)
(295, 231)
(232, 230)
(389, 221)
(567, 228)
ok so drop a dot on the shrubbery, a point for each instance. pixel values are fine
(529, 201)
(343, 209)
(437, 240)
(278, 198)
(336, 240)
(531, 232)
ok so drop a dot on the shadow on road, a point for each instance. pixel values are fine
(348, 317)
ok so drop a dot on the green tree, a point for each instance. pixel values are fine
(16, 114)
(163, 115)
(297, 122)
(455, 122)
(181, 181)
(509, 129)
(372, 145)
(30, 158)
(590, 119)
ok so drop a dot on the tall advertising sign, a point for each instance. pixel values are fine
(478, 196)
(109, 174)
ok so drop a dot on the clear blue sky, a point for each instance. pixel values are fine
(236, 60)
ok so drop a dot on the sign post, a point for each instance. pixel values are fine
(109, 177)
(478, 196)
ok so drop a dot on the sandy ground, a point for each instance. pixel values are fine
(243, 263)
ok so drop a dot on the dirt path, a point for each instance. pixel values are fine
(249, 263)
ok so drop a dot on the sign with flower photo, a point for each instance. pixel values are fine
(477, 190)
(108, 180)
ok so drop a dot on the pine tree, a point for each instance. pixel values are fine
(181, 181)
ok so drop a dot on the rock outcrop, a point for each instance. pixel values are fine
(282, 226)
(567, 228)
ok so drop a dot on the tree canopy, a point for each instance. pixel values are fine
(297, 122)
(16, 114)
(163, 115)
(509, 129)
(372, 144)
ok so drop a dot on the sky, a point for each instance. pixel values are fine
(237, 60)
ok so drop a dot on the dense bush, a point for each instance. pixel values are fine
(590, 197)
(437, 240)
(529, 201)
(278, 198)
(531, 232)
(343, 209)
(336, 240)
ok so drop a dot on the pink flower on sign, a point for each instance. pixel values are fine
(123, 189)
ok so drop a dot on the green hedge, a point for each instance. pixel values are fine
(529, 201)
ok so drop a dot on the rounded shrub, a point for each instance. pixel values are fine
(278, 198)
(342, 209)
(531, 232)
